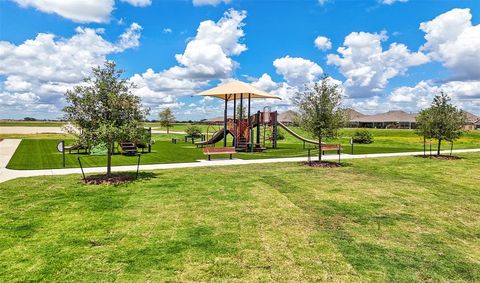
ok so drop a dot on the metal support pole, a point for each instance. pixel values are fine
(241, 107)
(138, 165)
(63, 153)
(240, 123)
(275, 129)
(150, 139)
(258, 127)
(235, 120)
(451, 148)
(250, 130)
(225, 123)
(309, 157)
(81, 167)
(424, 146)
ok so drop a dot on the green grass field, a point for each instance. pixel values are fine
(39, 151)
(394, 219)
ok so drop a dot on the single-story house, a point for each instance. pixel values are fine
(391, 119)
(473, 122)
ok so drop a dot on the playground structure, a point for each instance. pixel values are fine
(249, 133)
(246, 131)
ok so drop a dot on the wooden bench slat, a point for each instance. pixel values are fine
(326, 147)
(219, 150)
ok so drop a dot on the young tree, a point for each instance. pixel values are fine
(242, 110)
(105, 110)
(166, 118)
(319, 110)
(442, 120)
(424, 123)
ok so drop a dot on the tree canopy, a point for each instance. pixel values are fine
(441, 121)
(320, 113)
(166, 118)
(105, 110)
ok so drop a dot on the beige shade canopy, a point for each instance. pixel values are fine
(230, 89)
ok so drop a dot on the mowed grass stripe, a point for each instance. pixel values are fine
(373, 220)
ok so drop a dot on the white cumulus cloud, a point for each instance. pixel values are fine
(367, 67)
(323, 43)
(82, 11)
(390, 2)
(209, 2)
(465, 94)
(48, 65)
(296, 70)
(453, 40)
(207, 56)
(138, 3)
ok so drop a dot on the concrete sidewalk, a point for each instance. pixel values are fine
(31, 130)
(7, 149)
(11, 145)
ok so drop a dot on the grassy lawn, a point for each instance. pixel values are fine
(42, 154)
(39, 151)
(402, 220)
(179, 127)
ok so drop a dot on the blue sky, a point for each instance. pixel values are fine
(388, 61)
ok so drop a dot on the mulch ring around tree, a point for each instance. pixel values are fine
(441, 157)
(112, 180)
(324, 164)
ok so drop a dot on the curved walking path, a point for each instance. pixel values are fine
(8, 147)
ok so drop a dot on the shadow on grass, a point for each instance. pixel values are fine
(326, 164)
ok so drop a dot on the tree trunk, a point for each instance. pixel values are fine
(424, 145)
(109, 160)
(439, 146)
(320, 149)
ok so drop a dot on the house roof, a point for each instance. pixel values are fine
(287, 116)
(358, 117)
(472, 118)
(388, 117)
(353, 114)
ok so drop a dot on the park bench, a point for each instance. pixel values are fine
(330, 147)
(144, 146)
(76, 147)
(219, 150)
(128, 148)
(193, 137)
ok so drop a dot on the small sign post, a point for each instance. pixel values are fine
(61, 148)
(351, 143)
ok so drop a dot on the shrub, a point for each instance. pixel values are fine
(280, 135)
(193, 131)
(363, 136)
